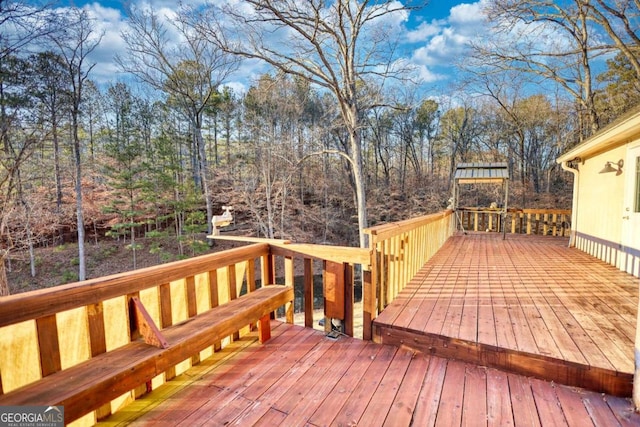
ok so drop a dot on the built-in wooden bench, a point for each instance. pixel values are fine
(91, 384)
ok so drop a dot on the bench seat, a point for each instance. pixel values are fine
(89, 385)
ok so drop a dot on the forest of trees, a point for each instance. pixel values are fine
(335, 138)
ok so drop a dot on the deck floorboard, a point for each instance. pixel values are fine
(521, 297)
(300, 377)
(501, 301)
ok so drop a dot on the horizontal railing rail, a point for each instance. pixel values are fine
(547, 222)
(338, 265)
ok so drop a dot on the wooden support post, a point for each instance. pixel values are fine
(47, 328)
(251, 281)
(308, 292)
(97, 338)
(334, 290)
(251, 275)
(192, 308)
(264, 329)
(348, 299)
(166, 318)
(214, 299)
(268, 267)
(233, 290)
(369, 307)
(289, 276)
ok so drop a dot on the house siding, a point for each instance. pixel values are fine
(600, 208)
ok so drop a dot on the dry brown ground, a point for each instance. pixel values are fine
(57, 265)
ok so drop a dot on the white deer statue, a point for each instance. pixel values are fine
(221, 220)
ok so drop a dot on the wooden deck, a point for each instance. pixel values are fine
(301, 378)
(526, 304)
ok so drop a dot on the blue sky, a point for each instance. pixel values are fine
(434, 39)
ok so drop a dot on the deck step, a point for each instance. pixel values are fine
(547, 368)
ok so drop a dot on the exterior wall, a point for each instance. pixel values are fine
(598, 227)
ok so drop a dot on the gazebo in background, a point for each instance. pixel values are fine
(482, 173)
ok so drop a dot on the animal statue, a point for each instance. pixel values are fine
(221, 220)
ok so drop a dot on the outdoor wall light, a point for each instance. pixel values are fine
(609, 167)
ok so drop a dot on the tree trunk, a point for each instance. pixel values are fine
(204, 167)
(82, 270)
(358, 177)
(4, 282)
(56, 162)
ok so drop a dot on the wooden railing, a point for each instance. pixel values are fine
(547, 222)
(45, 331)
(48, 330)
(399, 250)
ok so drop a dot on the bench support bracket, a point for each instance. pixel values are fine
(146, 326)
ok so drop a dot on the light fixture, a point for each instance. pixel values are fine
(609, 167)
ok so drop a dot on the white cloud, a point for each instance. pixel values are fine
(466, 13)
(428, 76)
(441, 43)
(432, 47)
(425, 30)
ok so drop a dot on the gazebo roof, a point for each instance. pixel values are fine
(472, 173)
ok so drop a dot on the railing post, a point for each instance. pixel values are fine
(370, 284)
(348, 299)
(308, 292)
(288, 281)
(334, 288)
(369, 308)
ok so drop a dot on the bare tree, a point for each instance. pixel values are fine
(620, 20)
(189, 72)
(51, 88)
(273, 117)
(17, 145)
(21, 24)
(460, 129)
(548, 41)
(75, 42)
(341, 46)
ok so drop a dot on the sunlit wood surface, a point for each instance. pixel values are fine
(528, 304)
(301, 378)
